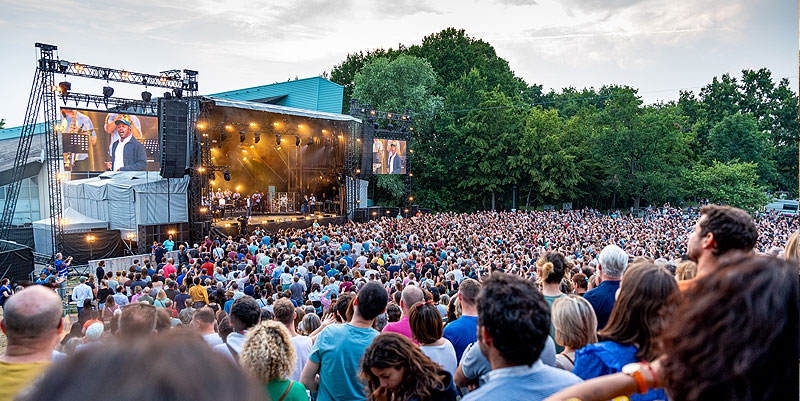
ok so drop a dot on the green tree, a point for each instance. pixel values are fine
(2, 123)
(737, 137)
(730, 183)
(483, 168)
(545, 160)
(645, 146)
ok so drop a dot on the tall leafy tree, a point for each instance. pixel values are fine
(737, 138)
(730, 183)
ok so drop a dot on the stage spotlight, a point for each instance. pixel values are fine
(64, 87)
(167, 95)
(389, 115)
(297, 141)
(278, 139)
(300, 126)
(256, 137)
(253, 125)
(410, 128)
(227, 175)
(178, 92)
(108, 91)
(242, 136)
(324, 131)
(147, 96)
(223, 135)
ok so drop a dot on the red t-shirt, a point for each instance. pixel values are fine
(209, 267)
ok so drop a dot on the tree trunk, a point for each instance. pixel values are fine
(493, 200)
(636, 201)
(528, 200)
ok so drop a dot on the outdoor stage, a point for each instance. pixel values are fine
(275, 223)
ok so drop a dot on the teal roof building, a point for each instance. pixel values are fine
(315, 93)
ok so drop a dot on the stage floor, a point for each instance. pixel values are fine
(271, 218)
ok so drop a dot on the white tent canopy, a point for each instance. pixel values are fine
(74, 222)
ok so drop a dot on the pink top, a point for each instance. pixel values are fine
(400, 327)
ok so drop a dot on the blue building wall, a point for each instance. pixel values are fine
(313, 93)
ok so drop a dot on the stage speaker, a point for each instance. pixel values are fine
(174, 135)
(366, 150)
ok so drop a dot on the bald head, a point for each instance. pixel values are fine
(33, 313)
(411, 295)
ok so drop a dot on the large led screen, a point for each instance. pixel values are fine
(388, 156)
(95, 141)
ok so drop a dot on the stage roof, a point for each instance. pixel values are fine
(277, 109)
(314, 93)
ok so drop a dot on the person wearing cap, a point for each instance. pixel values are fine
(131, 155)
(80, 293)
(92, 337)
(111, 128)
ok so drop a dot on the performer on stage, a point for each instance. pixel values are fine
(131, 155)
(393, 161)
(111, 128)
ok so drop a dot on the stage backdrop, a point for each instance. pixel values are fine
(88, 138)
(388, 156)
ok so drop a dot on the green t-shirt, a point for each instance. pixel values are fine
(550, 301)
(276, 388)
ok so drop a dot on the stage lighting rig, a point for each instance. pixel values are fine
(227, 175)
(147, 96)
(64, 87)
(242, 136)
(108, 92)
(278, 139)
(297, 141)
(222, 136)
(256, 137)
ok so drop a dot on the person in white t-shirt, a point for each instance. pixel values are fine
(284, 312)
(203, 322)
(427, 328)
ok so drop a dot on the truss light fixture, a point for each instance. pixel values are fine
(108, 92)
(147, 96)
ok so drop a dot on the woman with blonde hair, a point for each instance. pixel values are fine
(161, 299)
(575, 324)
(792, 251)
(686, 270)
(268, 356)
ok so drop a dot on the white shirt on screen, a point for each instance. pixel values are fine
(118, 154)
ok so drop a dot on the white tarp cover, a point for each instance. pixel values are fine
(77, 222)
(129, 199)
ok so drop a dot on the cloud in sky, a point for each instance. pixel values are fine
(649, 44)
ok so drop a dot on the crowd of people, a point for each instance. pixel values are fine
(682, 304)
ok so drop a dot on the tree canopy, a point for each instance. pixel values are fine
(482, 131)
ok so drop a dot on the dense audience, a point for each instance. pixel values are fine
(523, 305)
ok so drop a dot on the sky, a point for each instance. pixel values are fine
(657, 46)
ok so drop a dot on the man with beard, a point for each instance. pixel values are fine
(719, 231)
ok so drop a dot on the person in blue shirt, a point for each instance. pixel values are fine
(338, 349)
(513, 326)
(612, 263)
(464, 330)
(635, 323)
(169, 244)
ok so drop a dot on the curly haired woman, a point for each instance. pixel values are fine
(393, 368)
(268, 355)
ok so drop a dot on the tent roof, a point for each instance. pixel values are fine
(77, 221)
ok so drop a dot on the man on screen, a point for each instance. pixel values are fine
(393, 161)
(127, 154)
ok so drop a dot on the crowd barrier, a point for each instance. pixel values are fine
(125, 262)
